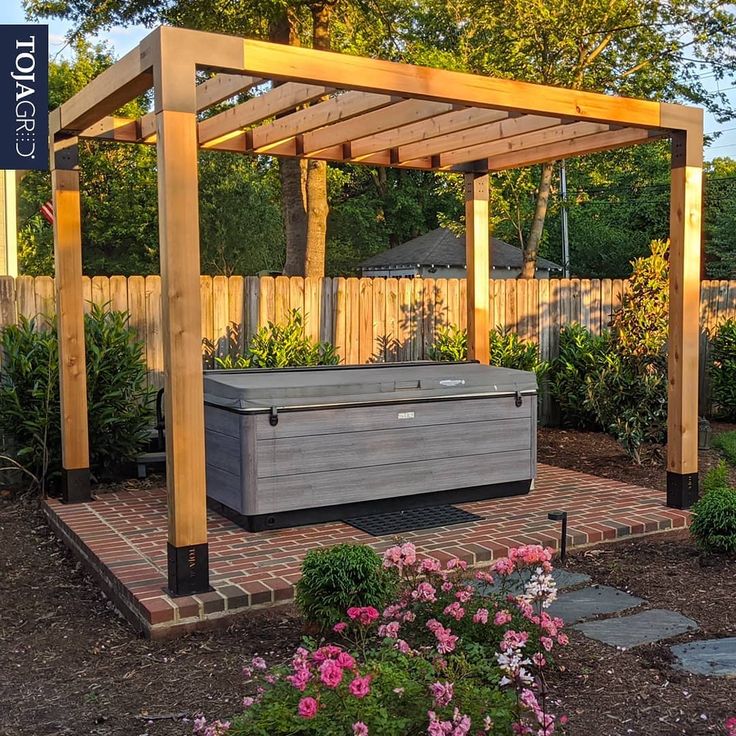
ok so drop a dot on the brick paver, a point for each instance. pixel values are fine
(122, 539)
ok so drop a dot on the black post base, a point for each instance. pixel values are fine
(682, 490)
(189, 570)
(75, 485)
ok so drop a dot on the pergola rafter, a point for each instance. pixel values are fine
(343, 109)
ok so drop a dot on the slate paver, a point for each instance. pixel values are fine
(710, 657)
(564, 579)
(592, 601)
(639, 628)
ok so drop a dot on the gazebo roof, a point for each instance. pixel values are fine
(346, 108)
(441, 247)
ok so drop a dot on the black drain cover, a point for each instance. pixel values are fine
(394, 522)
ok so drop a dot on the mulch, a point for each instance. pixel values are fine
(70, 665)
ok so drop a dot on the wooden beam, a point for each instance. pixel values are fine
(685, 231)
(482, 134)
(440, 125)
(222, 87)
(70, 321)
(513, 143)
(385, 77)
(402, 113)
(477, 256)
(107, 92)
(566, 149)
(334, 110)
(178, 200)
(281, 99)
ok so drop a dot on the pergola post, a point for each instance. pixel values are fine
(178, 204)
(685, 229)
(477, 257)
(75, 478)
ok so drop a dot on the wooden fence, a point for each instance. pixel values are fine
(368, 320)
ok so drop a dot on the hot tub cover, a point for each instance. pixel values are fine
(324, 386)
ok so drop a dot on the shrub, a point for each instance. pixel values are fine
(448, 656)
(726, 443)
(508, 350)
(713, 523)
(282, 346)
(629, 401)
(581, 355)
(119, 402)
(335, 578)
(640, 325)
(722, 370)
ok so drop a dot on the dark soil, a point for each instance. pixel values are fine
(599, 454)
(70, 665)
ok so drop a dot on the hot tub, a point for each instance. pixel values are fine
(295, 446)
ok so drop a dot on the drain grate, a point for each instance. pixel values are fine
(395, 522)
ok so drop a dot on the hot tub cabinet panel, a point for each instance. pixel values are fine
(296, 446)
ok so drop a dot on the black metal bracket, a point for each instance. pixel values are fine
(273, 418)
(75, 485)
(188, 569)
(518, 400)
(682, 490)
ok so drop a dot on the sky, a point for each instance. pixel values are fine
(123, 39)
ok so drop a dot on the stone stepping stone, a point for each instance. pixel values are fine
(592, 601)
(639, 628)
(711, 657)
(564, 579)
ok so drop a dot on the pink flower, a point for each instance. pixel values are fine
(330, 673)
(485, 577)
(429, 565)
(502, 618)
(538, 659)
(546, 642)
(360, 729)
(402, 646)
(730, 725)
(248, 701)
(353, 612)
(345, 660)
(442, 693)
(446, 640)
(307, 707)
(464, 595)
(455, 562)
(360, 686)
(339, 627)
(480, 616)
(408, 553)
(329, 651)
(259, 663)
(400, 556)
(424, 592)
(563, 640)
(455, 610)
(365, 615)
(389, 631)
(504, 566)
(447, 586)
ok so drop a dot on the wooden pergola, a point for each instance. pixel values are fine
(345, 109)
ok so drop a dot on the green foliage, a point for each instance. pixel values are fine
(722, 370)
(629, 401)
(335, 578)
(581, 355)
(713, 523)
(119, 402)
(640, 325)
(507, 349)
(716, 477)
(282, 346)
(726, 443)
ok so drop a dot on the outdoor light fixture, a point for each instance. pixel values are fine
(561, 516)
(704, 434)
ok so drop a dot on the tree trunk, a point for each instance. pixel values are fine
(317, 205)
(292, 174)
(531, 248)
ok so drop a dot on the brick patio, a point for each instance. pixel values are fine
(122, 539)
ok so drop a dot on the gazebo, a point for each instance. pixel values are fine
(346, 109)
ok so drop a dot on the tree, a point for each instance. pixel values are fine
(720, 218)
(642, 48)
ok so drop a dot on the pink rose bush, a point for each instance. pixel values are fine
(447, 657)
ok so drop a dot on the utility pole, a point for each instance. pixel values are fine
(565, 234)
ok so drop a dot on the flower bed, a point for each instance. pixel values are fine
(451, 656)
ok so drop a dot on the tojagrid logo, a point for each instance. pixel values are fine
(24, 76)
(24, 96)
